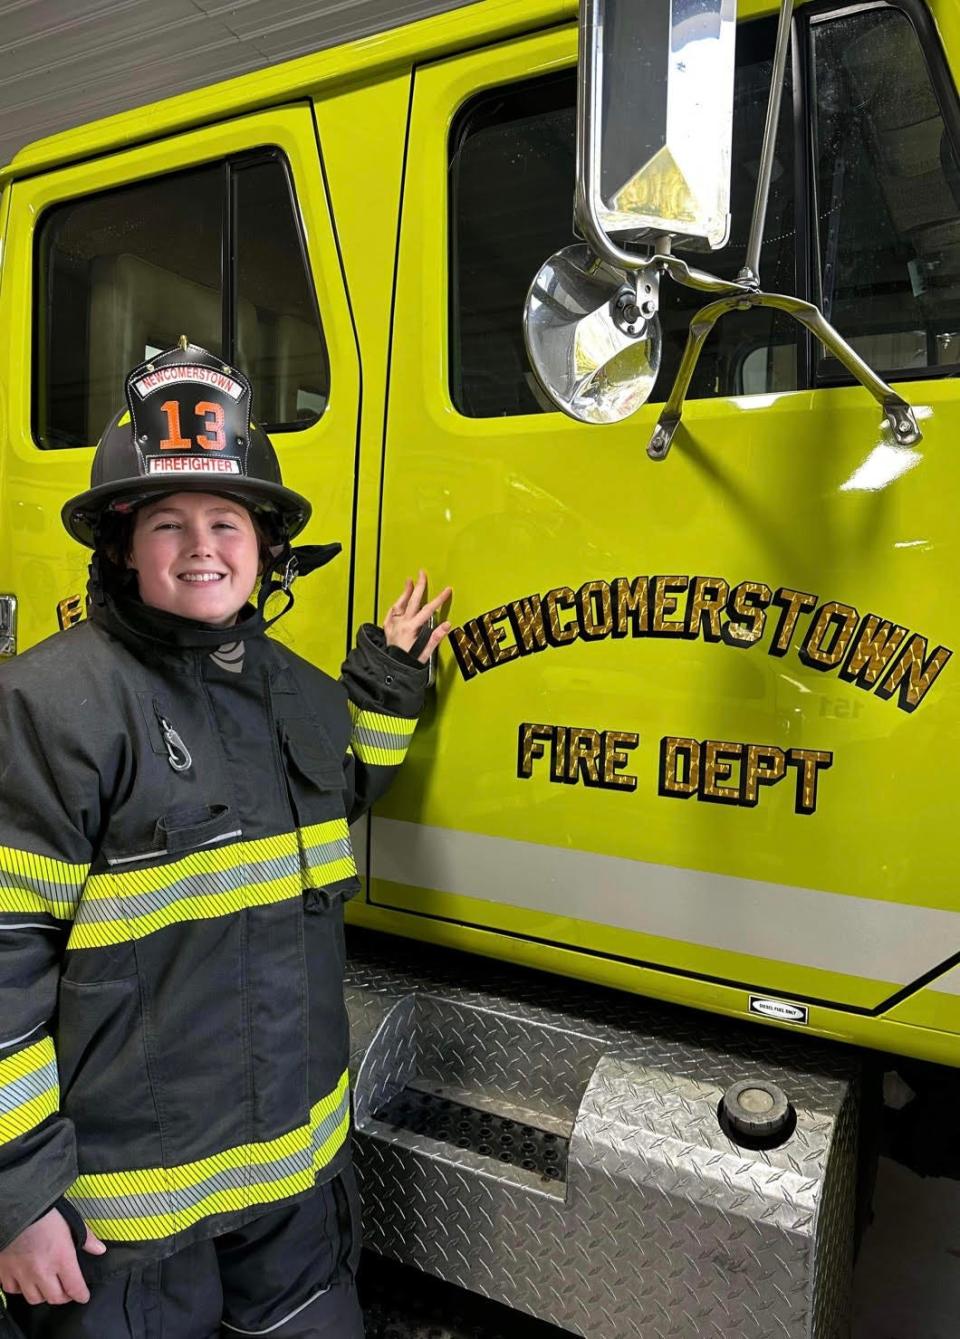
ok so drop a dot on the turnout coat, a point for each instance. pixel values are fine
(174, 854)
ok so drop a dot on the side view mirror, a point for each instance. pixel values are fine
(654, 132)
(655, 120)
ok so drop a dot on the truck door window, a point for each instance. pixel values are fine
(511, 182)
(887, 194)
(214, 253)
(279, 343)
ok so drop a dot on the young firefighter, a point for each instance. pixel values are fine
(175, 790)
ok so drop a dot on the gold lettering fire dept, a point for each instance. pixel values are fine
(717, 771)
(721, 771)
(577, 754)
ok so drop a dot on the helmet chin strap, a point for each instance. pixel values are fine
(288, 564)
(106, 579)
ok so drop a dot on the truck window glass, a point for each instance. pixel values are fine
(279, 343)
(511, 205)
(888, 196)
(124, 273)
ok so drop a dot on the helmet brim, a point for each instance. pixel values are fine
(82, 514)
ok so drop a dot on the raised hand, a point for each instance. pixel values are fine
(405, 618)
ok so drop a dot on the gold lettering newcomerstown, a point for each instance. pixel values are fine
(867, 651)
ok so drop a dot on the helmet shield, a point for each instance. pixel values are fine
(187, 428)
(189, 417)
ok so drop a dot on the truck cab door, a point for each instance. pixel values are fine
(598, 788)
(8, 601)
(108, 259)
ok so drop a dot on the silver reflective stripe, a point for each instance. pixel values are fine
(857, 936)
(322, 853)
(62, 897)
(206, 884)
(8, 625)
(381, 739)
(18, 1091)
(129, 859)
(271, 1328)
(154, 855)
(23, 1037)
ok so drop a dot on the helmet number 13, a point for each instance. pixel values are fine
(212, 439)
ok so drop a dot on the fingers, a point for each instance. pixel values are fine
(44, 1288)
(93, 1245)
(399, 606)
(428, 610)
(436, 637)
(406, 619)
(55, 1293)
(54, 1285)
(418, 593)
(72, 1282)
(408, 602)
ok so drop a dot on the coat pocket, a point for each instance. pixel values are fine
(314, 773)
(188, 827)
(183, 828)
(104, 1081)
(315, 784)
(328, 1026)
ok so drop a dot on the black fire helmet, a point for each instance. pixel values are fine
(187, 428)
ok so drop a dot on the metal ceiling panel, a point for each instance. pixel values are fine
(64, 64)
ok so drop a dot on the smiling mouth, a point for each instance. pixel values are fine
(200, 578)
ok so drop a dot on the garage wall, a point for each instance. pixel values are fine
(63, 63)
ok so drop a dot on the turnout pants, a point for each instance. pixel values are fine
(289, 1273)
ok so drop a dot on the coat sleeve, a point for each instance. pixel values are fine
(385, 689)
(44, 860)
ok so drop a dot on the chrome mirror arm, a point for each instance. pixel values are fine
(588, 129)
(751, 269)
(682, 273)
(669, 420)
(896, 411)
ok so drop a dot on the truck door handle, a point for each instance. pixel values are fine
(8, 625)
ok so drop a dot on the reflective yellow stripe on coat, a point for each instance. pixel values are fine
(39, 886)
(380, 739)
(29, 1089)
(215, 881)
(154, 1203)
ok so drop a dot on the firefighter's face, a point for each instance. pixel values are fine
(195, 555)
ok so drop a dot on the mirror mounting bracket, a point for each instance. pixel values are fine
(897, 412)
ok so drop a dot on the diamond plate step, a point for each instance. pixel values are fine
(662, 1227)
(495, 1137)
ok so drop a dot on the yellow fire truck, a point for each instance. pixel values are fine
(691, 743)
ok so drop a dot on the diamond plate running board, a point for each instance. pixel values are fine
(662, 1227)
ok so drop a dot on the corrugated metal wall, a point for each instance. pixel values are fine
(63, 62)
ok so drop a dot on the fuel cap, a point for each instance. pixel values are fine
(755, 1109)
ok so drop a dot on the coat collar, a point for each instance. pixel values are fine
(139, 625)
